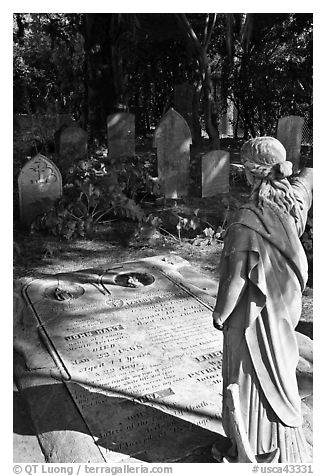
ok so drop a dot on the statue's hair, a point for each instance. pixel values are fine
(264, 158)
(278, 194)
(263, 151)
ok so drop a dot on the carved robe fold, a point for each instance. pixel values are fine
(263, 274)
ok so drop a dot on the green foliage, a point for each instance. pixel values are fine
(97, 192)
(209, 236)
(187, 223)
(48, 63)
(307, 239)
(270, 75)
(88, 64)
(215, 234)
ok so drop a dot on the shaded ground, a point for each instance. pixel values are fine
(36, 255)
(26, 446)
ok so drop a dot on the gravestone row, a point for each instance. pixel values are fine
(40, 182)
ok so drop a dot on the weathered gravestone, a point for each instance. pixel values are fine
(121, 134)
(289, 133)
(215, 173)
(71, 145)
(139, 355)
(39, 185)
(183, 96)
(172, 139)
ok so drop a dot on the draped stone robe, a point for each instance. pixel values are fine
(263, 274)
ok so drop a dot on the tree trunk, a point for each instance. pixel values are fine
(200, 50)
(195, 114)
(90, 92)
(208, 100)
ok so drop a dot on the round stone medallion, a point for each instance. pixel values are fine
(64, 291)
(134, 279)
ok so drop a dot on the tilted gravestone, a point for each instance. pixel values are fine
(39, 185)
(172, 139)
(121, 134)
(71, 145)
(183, 97)
(215, 173)
(140, 358)
(289, 133)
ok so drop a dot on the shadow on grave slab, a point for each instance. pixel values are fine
(119, 425)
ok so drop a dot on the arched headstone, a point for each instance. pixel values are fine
(289, 133)
(172, 139)
(215, 173)
(121, 134)
(39, 185)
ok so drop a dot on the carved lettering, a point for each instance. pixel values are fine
(96, 332)
(139, 371)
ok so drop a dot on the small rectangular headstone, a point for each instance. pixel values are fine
(289, 133)
(39, 185)
(71, 145)
(121, 134)
(143, 360)
(215, 173)
(172, 139)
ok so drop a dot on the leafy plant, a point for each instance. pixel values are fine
(97, 192)
(186, 224)
(231, 204)
(307, 243)
(307, 238)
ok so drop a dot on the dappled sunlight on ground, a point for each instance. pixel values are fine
(37, 255)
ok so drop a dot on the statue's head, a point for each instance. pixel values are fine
(265, 158)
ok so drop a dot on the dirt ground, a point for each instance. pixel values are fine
(36, 255)
(39, 255)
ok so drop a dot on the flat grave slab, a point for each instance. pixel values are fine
(139, 355)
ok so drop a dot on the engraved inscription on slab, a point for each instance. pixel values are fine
(143, 357)
(39, 184)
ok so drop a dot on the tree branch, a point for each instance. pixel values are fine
(206, 27)
(209, 30)
(189, 31)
